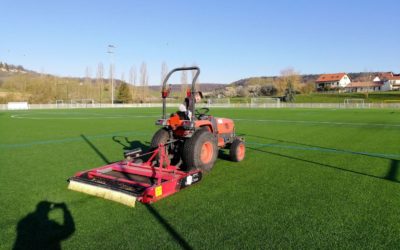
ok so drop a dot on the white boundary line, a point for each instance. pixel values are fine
(320, 122)
(33, 116)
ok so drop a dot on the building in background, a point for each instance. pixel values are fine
(364, 86)
(326, 82)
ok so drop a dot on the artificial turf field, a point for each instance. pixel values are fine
(312, 178)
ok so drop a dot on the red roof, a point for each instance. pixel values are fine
(363, 84)
(330, 77)
(393, 78)
(385, 75)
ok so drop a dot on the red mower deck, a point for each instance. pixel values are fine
(127, 181)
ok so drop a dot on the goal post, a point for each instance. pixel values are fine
(219, 102)
(354, 102)
(265, 102)
(82, 103)
(59, 103)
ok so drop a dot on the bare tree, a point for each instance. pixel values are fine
(99, 79)
(111, 79)
(88, 74)
(164, 72)
(288, 83)
(88, 78)
(288, 78)
(132, 81)
(144, 78)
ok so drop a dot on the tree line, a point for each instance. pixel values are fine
(44, 88)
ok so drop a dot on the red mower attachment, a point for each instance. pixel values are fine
(132, 179)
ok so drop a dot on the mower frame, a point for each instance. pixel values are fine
(162, 178)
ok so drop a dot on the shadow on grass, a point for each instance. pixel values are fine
(393, 171)
(181, 241)
(95, 149)
(131, 145)
(391, 176)
(223, 155)
(37, 231)
(323, 148)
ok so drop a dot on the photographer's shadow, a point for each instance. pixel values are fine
(38, 231)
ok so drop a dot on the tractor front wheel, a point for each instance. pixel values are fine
(237, 150)
(200, 151)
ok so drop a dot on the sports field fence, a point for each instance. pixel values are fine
(209, 105)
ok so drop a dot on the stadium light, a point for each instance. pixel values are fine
(110, 51)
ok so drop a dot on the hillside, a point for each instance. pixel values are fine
(20, 84)
(304, 78)
(204, 87)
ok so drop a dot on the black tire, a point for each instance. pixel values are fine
(160, 137)
(237, 150)
(192, 151)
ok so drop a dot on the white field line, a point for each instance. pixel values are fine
(321, 122)
(93, 116)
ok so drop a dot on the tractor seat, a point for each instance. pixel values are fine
(182, 115)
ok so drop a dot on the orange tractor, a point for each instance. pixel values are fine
(186, 145)
(191, 136)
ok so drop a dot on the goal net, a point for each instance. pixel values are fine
(59, 103)
(354, 102)
(82, 103)
(219, 102)
(265, 102)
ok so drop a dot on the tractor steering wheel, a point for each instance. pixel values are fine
(201, 112)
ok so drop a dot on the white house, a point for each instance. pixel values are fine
(332, 81)
(364, 86)
(381, 77)
(391, 83)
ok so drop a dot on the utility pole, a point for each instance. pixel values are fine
(110, 51)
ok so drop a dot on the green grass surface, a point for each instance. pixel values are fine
(312, 178)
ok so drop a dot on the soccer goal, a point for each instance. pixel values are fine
(265, 102)
(59, 103)
(82, 103)
(219, 102)
(355, 102)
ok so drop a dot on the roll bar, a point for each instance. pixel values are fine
(192, 91)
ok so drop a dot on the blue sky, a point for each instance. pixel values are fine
(229, 40)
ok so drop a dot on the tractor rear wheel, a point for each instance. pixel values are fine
(200, 151)
(237, 150)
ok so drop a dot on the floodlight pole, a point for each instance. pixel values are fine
(111, 52)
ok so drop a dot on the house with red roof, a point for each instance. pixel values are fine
(391, 83)
(332, 81)
(389, 80)
(381, 77)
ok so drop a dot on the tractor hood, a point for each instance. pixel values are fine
(225, 125)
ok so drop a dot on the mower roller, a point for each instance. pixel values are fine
(184, 147)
